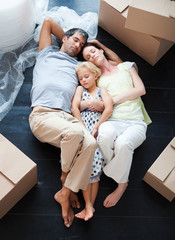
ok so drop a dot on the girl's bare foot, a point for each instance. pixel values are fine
(112, 199)
(86, 214)
(62, 197)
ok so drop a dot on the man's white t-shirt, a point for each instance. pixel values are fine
(54, 79)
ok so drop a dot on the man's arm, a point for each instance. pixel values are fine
(75, 108)
(111, 56)
(49, 27)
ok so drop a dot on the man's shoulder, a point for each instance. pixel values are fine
(47, 50)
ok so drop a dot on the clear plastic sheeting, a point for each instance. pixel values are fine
(14, 63)
(17, 46)
(12, 66)
(68, 18)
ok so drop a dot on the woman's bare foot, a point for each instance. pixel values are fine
(74, 200)
(112, 199)
(86, 214)
(62, 197)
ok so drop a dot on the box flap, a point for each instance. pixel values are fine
(119, 5)
(5, 186)
(161, 7)
(14, 164)
(170, 181)
(173, 143)
(165, 163)
(172, 9)
(152, 17)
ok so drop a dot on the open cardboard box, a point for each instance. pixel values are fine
(153, 17)
(112, 18)
(18, 174)
(161, 175)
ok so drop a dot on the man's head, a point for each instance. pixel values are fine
(73, 41)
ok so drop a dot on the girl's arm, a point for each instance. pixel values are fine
(108, 109)
(75, 108)
(137, 91)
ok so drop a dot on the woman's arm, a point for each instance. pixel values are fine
(75, 108)
(137, 91)
(49, 27)
(112, 57)
(95, 105)
(108, 109)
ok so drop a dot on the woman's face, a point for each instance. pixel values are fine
(93, 54)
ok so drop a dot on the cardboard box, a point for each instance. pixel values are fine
(112, 18)
(152, 17)
(18, 174)
(161, 175)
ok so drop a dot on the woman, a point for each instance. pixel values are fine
(125, 130)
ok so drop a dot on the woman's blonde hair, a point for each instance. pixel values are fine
(92, 67)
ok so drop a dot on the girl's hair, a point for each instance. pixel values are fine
(92, 67)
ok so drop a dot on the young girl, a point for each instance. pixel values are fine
(88, 74)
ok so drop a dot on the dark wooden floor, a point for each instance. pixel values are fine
(142, 213)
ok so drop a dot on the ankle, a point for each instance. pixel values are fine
(63, 177)
(88, 205)
(122, 186)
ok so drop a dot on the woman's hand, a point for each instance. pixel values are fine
(96, 105)
(94, 132)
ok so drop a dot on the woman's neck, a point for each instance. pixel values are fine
(107, 68)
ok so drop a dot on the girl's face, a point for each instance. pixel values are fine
(93, 54)
(87, 78)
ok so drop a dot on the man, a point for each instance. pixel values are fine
(54, 84)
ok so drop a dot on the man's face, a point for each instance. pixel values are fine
(73, 44)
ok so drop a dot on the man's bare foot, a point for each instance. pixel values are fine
(112, 199)
(74, 200)
(86, 214)
(62, 197)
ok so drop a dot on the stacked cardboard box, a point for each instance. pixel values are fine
(146, 27)
(18, 174)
